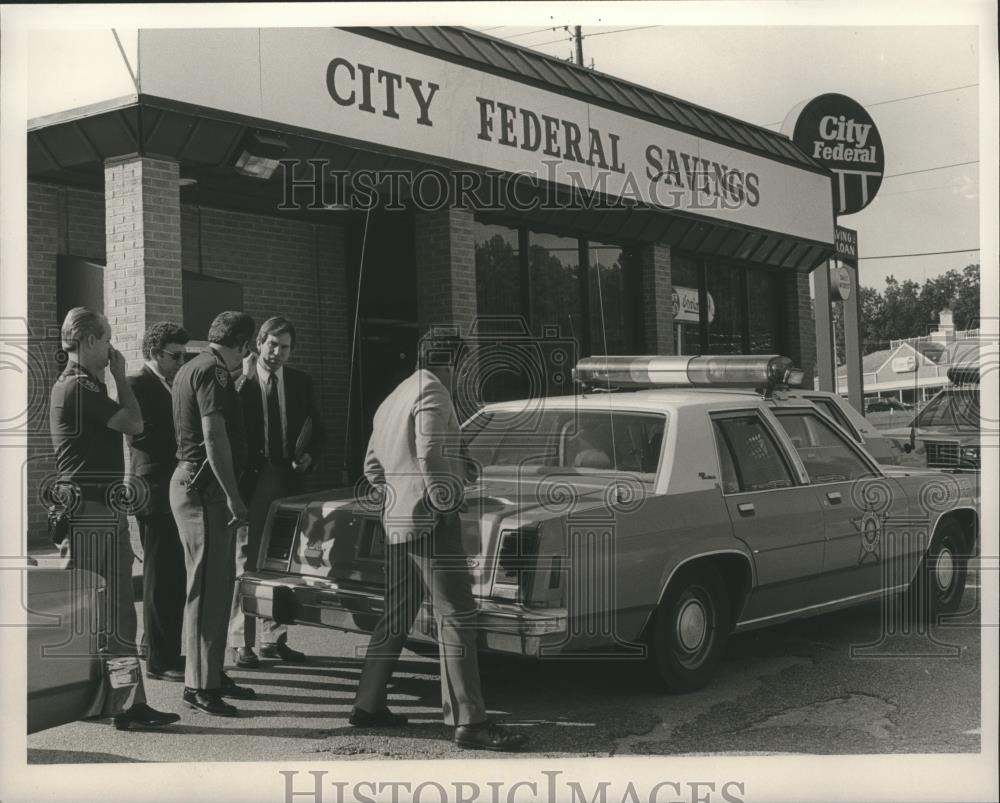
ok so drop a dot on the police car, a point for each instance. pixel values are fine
(670, 503)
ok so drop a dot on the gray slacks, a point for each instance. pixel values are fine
(208, 540)
(434, 565)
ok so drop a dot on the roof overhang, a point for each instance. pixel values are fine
(204, 90)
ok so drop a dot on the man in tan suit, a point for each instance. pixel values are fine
(415, 457)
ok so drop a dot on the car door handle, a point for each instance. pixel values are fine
(746, 508)
(834, 497)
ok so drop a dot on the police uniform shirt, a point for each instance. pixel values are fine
(85, 446)
(203, 386)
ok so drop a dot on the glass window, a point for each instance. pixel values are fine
(498, 270)
(755, 455)
(687, 327)
(730, 482)
(830, 408)
(957, 409)
(554, 268)
(725, 329)
(608, 295)
(765, 323)
(826, 454)
(568, 439)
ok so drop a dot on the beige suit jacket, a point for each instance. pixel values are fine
(415, 456)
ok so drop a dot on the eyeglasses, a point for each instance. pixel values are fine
(174, 355)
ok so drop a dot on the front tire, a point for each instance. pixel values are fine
(689, 630)
(940, 582)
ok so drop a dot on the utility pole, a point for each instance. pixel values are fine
(578, 39)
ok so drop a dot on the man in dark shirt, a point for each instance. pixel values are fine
(205, 499)
(152, 460)
(86, 427)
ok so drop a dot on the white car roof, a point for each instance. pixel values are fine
(646, 401)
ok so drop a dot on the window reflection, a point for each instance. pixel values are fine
(554, 270)
(608, 303)
(725, 331)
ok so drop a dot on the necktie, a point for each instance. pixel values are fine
(275, 441)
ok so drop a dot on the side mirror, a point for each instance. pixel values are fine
(907, 447)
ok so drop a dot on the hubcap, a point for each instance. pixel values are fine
(692, 625)
(944, 570)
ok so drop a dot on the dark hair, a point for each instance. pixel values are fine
(231, 329)
(275, 326)
(162, 334)
(81, 322)
(439, 348)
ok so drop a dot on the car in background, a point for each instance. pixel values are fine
(675, 501)
(885, 450)
(65, 671)
(886, 405)
(946, 433)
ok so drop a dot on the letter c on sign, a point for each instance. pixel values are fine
(331, 81)
(824, 124)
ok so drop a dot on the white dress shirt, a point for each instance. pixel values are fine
(264, 376)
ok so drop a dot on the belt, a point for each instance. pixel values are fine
(188, 465)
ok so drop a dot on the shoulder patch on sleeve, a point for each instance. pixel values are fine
(222, 376)
(89, 384)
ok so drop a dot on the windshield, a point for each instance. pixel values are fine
(581, 441)
(957, 409)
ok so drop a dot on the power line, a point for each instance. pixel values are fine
(908, 97)
(622, 30)
(931, 169)
(924, 189)
(924, 254)
(527, 33)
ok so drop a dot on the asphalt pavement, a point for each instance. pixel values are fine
(807, 687)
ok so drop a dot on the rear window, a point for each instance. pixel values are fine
(957, 409)
(568, 439)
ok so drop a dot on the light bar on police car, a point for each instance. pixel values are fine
(765, 370)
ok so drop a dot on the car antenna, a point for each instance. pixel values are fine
(344, 473)
(604, 338)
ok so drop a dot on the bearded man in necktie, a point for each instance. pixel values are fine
(285, 441)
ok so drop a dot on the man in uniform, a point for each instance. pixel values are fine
(205, 499)
(153, 458)
(416, 455)
(86, 427)
(284, 438)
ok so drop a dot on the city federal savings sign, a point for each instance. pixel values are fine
(373, 95)
(840, 134)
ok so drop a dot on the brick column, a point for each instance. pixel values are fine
(446, 269)
(142, 280)
(657, 299)
(800, 332)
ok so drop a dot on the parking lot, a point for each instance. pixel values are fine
(791, 689)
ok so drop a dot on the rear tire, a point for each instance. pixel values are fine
(940, 582)
(689, 630)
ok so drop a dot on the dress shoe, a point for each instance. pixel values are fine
(282, 651)
(230, 689)
(245, 658)
(380, 719)
(489, 736)
(208, 702)
(175, 675)
(141, 717)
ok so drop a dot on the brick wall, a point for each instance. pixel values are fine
(800, 330)
(657, 299)
(142, 280)
(446, 269)
(293, 269)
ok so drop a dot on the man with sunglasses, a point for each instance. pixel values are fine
(153, 458)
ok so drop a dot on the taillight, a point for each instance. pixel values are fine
(517, 558)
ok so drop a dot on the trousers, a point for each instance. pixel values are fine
(242, 629)
(164, 586)
(202, 521)
(99, 543)
(434, 565)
